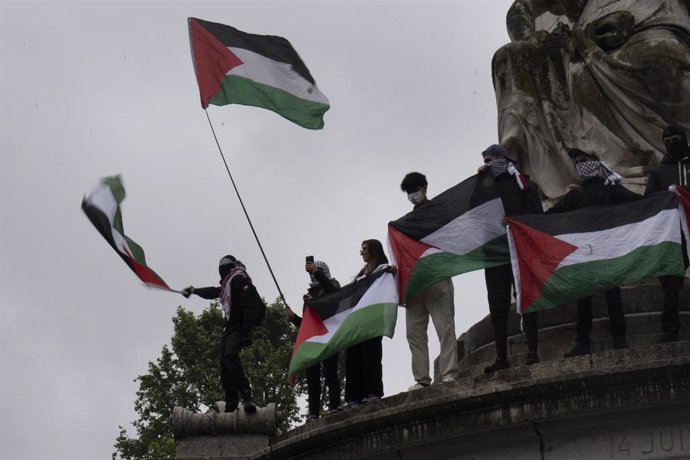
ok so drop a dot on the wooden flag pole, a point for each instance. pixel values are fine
(245, 210)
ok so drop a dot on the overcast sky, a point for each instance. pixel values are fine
(90, 89)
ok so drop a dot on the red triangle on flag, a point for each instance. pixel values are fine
(538, 255)
(212, 60)
(407, 252)
(145, 274)
(311, 326)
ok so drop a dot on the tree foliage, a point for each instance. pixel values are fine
(187, 374)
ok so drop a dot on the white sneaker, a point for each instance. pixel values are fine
(417, 386)
(448, 379)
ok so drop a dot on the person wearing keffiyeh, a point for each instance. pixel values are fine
(321, 283)
(519, 195)
(234, 298)
(599, 186)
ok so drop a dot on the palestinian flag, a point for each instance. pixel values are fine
(357, 312)
(559, 258)
(458, 231)
(102, 207)
(234, 67)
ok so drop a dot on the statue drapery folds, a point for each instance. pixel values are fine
(605, 76)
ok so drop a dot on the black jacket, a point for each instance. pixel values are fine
(663, 176)
(326, 286)
(516, 200)
(237, 292)
(593, 192)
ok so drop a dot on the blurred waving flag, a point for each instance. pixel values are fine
(359, 311)
(235, 67)
(456, 232)
(558, 258)
(102, 207)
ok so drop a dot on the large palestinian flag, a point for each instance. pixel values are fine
(357, 312)
(102, 207)
(234, 67)
(458, 231)
(558, 258)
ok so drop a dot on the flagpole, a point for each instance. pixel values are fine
(245, 210)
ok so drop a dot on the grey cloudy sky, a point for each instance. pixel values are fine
(90, 89)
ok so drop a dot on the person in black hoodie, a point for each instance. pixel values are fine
(599, 186)
(673, 170)
(235, 299)
(519, 195)
(321, 284)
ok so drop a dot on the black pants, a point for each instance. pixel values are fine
(330, 374)
(614, 304)
(364, 370)
(670, 317)
(499, 285)
(232, 376)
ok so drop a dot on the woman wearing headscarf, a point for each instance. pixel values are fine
(321, 283)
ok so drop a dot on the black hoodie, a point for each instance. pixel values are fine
(665, 174)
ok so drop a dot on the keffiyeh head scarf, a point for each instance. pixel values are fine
(321, 265)
(592, 167)
(503, 163)
(588, 169)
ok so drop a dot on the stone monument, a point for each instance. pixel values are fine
(605, 76)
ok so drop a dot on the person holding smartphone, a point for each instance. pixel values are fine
(321, 283)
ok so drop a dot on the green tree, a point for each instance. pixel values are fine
(187, 374)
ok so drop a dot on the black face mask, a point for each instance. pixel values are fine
(676, 146)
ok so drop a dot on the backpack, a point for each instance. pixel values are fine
(255, 309)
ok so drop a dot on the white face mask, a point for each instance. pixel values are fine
(416, 197)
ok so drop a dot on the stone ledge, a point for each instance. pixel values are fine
(603, 386)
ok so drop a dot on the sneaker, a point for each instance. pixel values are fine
(578, 350)
(350, 405)
(532, 358)
(500, 363)
(619, 343)
(370, 398)
(249, 407)
(417, 386)
(448, 379)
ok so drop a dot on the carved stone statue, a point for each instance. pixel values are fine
(605, 76)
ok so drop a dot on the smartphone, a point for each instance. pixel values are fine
(309, 259)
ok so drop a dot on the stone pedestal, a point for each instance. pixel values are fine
(223, 436)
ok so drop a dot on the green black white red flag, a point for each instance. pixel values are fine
(359, 311)
(102, 207)
(456, 232)
(559, 258)
(235, 67)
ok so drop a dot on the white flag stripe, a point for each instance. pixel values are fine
(516, 269)
(102, 198)
(619, 241)
(383, 290)
(279, 75)
(470, 230)
(684, 226)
